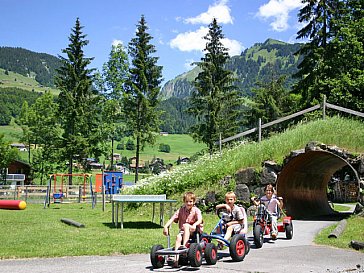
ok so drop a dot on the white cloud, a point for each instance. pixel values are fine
(190, 41)
(194, 41)
(189, 64)
(220, 10)
(117, 42)
(234, 47)
(279, 10)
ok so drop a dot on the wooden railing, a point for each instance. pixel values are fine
(261, 126)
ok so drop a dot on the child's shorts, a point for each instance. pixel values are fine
(237, 228)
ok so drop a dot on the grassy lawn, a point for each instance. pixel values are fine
(38, 232)
(353, 231)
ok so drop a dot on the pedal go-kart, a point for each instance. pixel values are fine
(238, 245)
(262, 225)
(196, 249)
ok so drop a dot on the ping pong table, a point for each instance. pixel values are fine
(118, 201)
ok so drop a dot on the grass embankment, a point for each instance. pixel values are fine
(206, 172)
(38, 232)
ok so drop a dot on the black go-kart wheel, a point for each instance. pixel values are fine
(237, 247)
(211, 254)
(183, 259)
(156, 260)
(195, 255)
(258, 236)
(289, 230)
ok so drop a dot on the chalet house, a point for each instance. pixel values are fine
(183, 160)
(20, 146)
(133, 163)
(19, 167)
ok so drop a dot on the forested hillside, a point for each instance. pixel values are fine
(11, 101)
(257, 63)
(40, 66)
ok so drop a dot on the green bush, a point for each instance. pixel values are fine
(120, 146)
(130, 145)
(165, 148)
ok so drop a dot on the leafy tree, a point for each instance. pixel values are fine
(114, 76)
(215, 99)
(270, 101)
(143, 87)
(43, 127)
(77, 102)
(7, 153)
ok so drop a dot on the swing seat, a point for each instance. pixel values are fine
(57, 195)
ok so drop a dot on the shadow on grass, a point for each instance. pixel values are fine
(135, 225)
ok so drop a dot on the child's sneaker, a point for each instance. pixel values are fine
(220, 246)
(274, 236)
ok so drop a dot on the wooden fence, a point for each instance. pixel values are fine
(37, 194)
(261, 126)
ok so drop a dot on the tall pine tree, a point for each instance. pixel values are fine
(77, 102)
(215, 100)
(318, 18)
(143, 87)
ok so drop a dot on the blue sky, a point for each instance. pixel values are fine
(176, 25)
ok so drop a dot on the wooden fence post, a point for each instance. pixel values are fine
(220, 146)
(324, 108)
(260, 130)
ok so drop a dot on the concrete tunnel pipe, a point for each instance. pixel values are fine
(303, 183)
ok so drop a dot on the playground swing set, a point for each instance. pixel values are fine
(110, 182)
(58, 190)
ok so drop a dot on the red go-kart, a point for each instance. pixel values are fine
(262, 226)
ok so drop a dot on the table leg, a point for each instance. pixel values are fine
(112, 212)
(122, 216)
(161, 216)
(153, 215)
(116, 215)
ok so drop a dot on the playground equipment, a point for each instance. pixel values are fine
(112, 181)
(13, 204)
(59, 190)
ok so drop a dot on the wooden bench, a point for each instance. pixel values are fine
(118, 201)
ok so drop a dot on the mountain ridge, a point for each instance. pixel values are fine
(253, 64)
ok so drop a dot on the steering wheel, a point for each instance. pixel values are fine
(223, 215)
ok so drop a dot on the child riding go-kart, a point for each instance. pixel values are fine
(238, 245)
(262, 225)
(196, 249)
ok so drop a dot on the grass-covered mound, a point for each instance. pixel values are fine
(205, 173)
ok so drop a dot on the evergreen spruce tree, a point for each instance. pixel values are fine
(344, 84)
(77, 102)
(143, 87)
(318, 18)
(214, 101)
